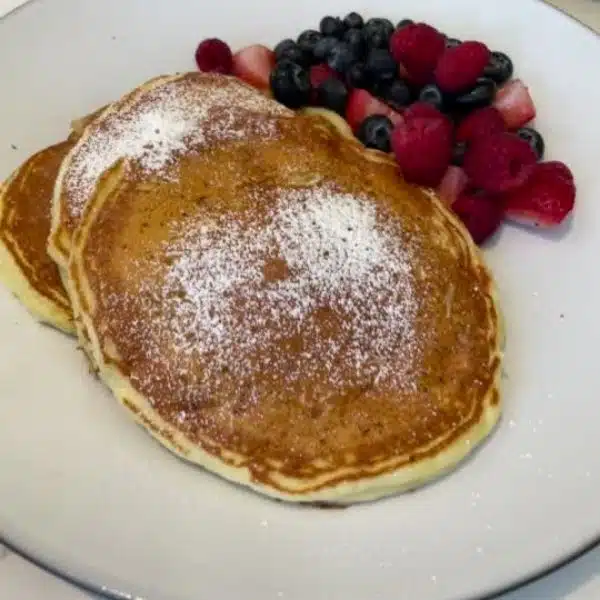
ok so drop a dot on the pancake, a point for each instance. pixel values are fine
(280, 308)
(25, 213)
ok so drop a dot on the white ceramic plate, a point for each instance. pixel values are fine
(86, 492)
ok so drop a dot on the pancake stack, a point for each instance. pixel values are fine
(266, 297)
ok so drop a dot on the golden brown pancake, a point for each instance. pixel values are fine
(25, 213)
(280, 308)
(25, 267)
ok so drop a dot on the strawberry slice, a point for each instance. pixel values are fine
(515, 104)
(453, 184)
(362, 104)
(481, 215)
(545, 200)
(253, 65)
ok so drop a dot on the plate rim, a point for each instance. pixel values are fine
(104, 591)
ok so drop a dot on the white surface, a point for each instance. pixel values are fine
(86, 490)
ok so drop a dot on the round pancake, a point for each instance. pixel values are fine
(284, 311)
(150, 124)
(25, 214)
(25, 267)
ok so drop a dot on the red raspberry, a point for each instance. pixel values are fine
(321, 73)
(461, 66)
(423, 148)
(499, 163)
(214, 55)
(480, 214)
(480, 123)
(423, 110)
(417, 48)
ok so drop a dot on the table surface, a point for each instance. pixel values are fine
(580, 580)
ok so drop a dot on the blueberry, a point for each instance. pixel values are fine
(357, 76)
(353, 21)
(356, 39)
(333, 94)
(323, 48)
(378, 32)
(332, 26)
(397, 94)
(404, 23)
(480, 95)
(432, 94)
(292, 52)
(307, 41)
(375, 132)
(499, 68)
(284, 46)
(452, 42)
(380, 65)
(290, 84)
(534, 139)
(458, 153)
(341, 56)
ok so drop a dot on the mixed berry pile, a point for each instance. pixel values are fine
(450, 111)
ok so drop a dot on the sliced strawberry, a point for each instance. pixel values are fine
(362, 104)
(481, 215)
(453, 184)
(515, 104)
(545, 200)
(253, 64)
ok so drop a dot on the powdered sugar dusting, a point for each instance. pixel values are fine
(321, 273)
(162, 123)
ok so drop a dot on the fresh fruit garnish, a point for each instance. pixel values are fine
(362, 104)
(375, 132)
(460, 67)
(481, 215)
(353, 21)
(290, 84)
(423, 110)
(515, 104)
(480, 123)
(534, 139)
(357, 76)
(378, 33)
(253, 65)
(214, 56)
(480, 95)
(320, 73)
(323, 47)
(546, 199)
(356, 39)
(397, 94)
(289, 50)
(332, 26)
(341, 56)
(499, 162)
(423, 147)
(418, 48)
(453, 184)
(431, 94)
(404, 23)
(332, 94)
(458, 153)
(380, 65)
(307, 41)
(499, 68)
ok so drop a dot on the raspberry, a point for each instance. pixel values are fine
(320, 73)
(214, 55)
(418, 48)
(423, 110)
(459, 68)
(480, 123)
(423, 147)
(480, 214)
(499, 163)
